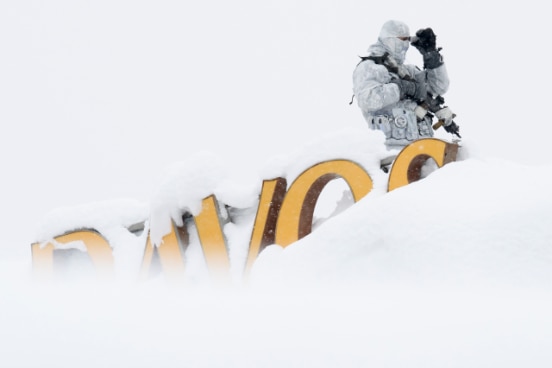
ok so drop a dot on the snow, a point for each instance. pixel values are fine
(117, 114)
(187, 184)
(472, 222)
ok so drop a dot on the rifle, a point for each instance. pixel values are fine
(430, 106)
(434, 106)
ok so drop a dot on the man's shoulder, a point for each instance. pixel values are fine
(367, 64)
(369, 71)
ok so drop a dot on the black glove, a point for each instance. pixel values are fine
(415, 89)
(425, 41)
(453, 129)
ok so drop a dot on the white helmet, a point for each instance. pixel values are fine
(389, 38)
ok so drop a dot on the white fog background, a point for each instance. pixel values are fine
(97, 98)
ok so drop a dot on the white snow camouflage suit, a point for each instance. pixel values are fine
(379, 100)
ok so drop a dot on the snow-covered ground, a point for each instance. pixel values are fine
(102, 103)
(454, 270)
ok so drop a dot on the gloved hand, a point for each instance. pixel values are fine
(415, 89)
(425, 41)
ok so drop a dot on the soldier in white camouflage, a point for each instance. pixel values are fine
(392, 95)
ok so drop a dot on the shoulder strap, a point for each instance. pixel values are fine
(382, 60)
(374, 58)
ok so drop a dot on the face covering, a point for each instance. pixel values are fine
(397, 48)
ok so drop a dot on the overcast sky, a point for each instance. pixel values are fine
(97, 97)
